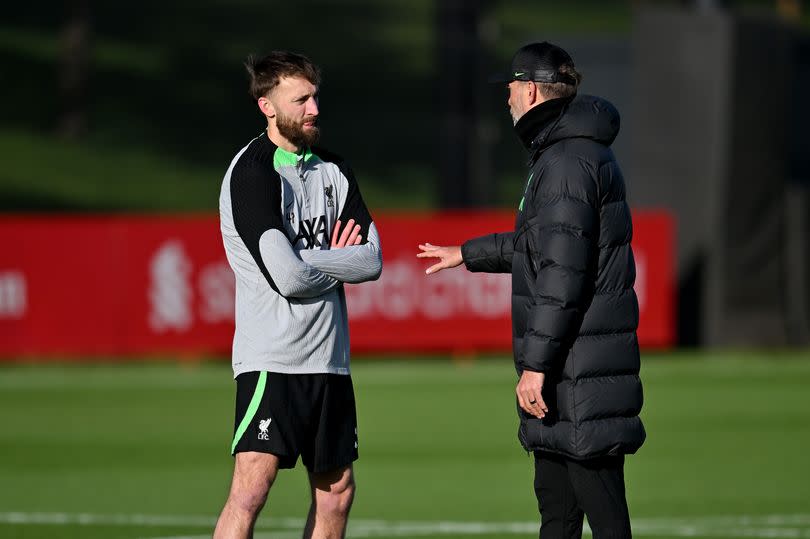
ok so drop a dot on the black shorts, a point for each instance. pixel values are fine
(311, 415)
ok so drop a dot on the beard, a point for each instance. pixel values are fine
(295, 131)
(515, 114)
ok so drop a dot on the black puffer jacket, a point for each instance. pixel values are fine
(574, 310)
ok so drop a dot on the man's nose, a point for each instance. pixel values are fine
(312, 107)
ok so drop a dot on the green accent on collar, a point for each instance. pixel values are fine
(283, 158)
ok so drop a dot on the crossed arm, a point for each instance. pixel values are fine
(348, 260)
(256, 198)
(310, 273)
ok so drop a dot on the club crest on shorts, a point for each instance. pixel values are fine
(264, 424)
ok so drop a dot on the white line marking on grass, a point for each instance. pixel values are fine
(796, 526)
(89, 519)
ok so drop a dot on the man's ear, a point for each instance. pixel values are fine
(266, 107)
(534, 93)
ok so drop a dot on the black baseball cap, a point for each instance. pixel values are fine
(538, 62)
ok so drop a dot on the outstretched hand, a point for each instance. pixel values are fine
(350, 235)
(449, 257)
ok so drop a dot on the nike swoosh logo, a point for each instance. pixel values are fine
(519, 73)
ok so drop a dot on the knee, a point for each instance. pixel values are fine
(253, 476)
(337, 501)
(249, 499)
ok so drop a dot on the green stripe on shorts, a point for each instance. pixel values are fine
(251, 411)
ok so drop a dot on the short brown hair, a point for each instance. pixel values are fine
(265, 73)
(555, 90)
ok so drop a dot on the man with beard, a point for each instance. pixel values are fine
(295, 228)
(574, 310)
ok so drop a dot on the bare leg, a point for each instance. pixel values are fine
(253, 475)
(332, 495)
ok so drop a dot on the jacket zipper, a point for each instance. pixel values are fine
(302, 181)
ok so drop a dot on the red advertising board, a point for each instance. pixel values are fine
(135, 284)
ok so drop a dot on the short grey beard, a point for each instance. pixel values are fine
(514, 116)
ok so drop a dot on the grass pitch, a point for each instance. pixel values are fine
(140, 450)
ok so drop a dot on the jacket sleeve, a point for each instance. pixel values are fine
(293, 277)
(352, 264)
(356, 263)
(354, 207)
(564, 254)
(256, 208)
(489, 254)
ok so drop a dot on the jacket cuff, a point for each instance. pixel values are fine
(539, 353)
(467, 254)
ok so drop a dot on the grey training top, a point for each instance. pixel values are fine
(277, 212)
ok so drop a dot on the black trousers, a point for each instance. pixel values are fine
(568, 489)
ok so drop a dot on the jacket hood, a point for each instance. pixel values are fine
(586, 116)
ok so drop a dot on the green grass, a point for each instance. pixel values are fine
(46, 173)
(728, 436)
(98, 178)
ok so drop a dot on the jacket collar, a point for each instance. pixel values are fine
(534, 127)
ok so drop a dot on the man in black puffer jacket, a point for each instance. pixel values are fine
(574, 310)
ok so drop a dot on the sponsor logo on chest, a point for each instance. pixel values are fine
(312, 232)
